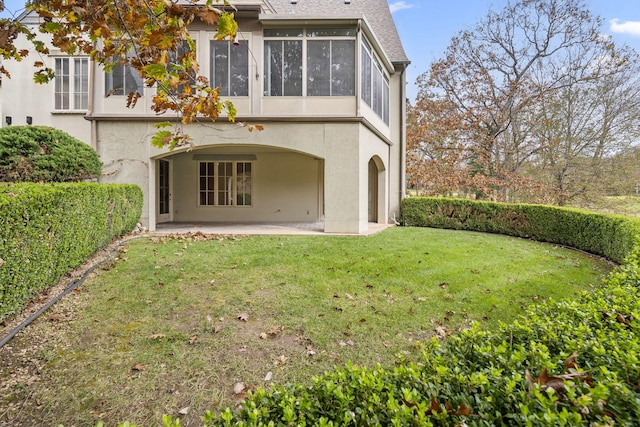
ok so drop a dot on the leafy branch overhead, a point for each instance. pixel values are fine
(150, 36)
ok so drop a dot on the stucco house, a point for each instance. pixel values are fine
(326, 79)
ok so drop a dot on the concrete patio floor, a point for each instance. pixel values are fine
(275, 228)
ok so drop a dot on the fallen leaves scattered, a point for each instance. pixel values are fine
(138, 367)
(244, 317)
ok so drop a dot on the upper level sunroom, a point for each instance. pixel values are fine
(285, 64)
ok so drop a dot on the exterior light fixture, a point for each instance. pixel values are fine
(29, 120)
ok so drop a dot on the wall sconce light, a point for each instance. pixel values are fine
(236, 42)
(8, 120)
(29, 120)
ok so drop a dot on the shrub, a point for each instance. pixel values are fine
(44, 154)
(48, 230)
(610, 236)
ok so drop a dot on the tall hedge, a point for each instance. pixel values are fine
(610, 236)
(45, 154)
(46, 230)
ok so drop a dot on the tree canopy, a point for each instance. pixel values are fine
(525, 106)
(151, 36)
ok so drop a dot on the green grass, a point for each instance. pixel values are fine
(171, 307)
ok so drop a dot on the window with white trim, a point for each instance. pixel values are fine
(122, 80)
(225, 183)
(229, 68)
(374, 82)
(71, 83)
(311, 62)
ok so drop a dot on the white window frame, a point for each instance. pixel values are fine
(74, 88)
(243, 39)
(211, 189)
(306, 35)
(127, 69)
(374, 88)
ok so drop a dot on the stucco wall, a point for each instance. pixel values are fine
(285, 188)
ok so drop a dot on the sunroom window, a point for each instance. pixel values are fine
(229, 67)
(374, 83)
(311, 62)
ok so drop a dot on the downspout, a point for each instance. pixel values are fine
(403, 139)
(94, 123)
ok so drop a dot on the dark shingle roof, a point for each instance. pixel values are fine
(376, 12)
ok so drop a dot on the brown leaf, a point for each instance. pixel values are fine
(463, 410)
(263, 336)
(138, 367)
(570, 363)
(435, 407)
(239, 388)
(623, 319)
(275, 330)
(209, 16)
(156, 336)
(193, 339)
(244, 317)
(348, 295)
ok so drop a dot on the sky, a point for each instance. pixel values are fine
(427, 26)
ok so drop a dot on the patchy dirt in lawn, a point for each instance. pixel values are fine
(33, 363)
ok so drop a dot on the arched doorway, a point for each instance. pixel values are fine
(373, 191)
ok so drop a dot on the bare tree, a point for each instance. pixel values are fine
(499, 79)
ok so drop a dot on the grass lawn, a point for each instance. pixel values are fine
(180, 325)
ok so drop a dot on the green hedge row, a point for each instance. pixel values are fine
(570, 363)
(610, 236)
(46, 230)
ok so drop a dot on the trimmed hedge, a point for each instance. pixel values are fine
(45, 154)
(610, 236)
(46, 230)
(566, 363)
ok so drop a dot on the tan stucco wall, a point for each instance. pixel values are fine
(294, 163)
(284, 188)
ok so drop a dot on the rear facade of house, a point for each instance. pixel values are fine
(325, 79)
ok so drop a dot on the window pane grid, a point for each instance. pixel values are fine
(225, 184)
(374, 84)
(318, 62)
(71, 83)
(229, 67)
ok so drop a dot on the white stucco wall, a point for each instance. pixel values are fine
(21, 97)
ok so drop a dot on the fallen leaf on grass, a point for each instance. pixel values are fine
(346, 343)
(268, 376)
(275, 330)
(244, 317)
(348, 295)
(263, 336)
(310, 351)
(138, 367)
(441, 332)
(193, 339)
(184, 411)
(239, 388)
(281, 360)
(156, 336)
